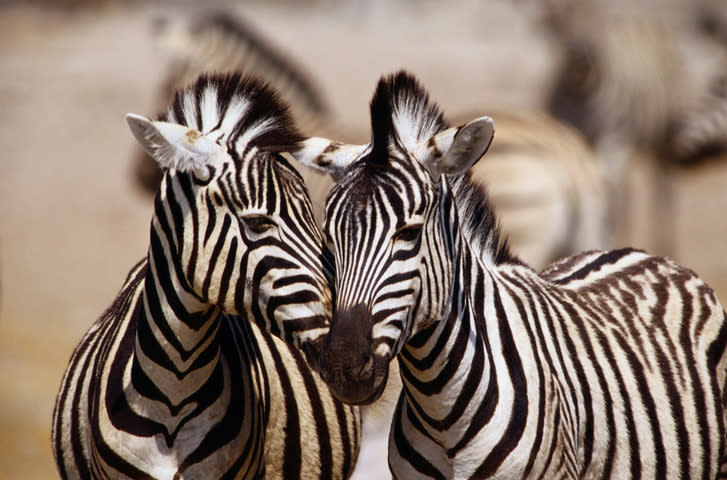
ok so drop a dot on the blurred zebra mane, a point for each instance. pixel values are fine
(222, 42)
(242, 111)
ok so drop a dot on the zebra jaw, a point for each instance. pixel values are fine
(174, 146)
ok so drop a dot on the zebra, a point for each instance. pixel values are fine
(192, 372)
(608, 364)
(644, 89)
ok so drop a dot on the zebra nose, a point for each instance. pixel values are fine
(347, 363)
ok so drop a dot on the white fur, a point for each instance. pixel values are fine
(334, 161)
(174, 146)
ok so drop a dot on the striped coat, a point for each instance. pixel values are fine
(181, 377)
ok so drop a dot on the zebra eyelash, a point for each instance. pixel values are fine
(408, 233)
(259, 223)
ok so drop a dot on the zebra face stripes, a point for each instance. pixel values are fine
(364, 338)
(605, 365)
(236, 214)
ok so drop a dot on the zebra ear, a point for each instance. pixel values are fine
(173, 146)
(454, 150)
(328, 156)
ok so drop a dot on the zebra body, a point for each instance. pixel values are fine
(180, 377)
(606, 365)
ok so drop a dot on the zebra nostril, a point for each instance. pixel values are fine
(326, 376)
(367, 367)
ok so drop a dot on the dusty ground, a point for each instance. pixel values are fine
(73, 223)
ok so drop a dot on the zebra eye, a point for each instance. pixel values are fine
(408, 233)
(259, 223)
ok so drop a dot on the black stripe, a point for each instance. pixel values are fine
(537, 350)
(403, 446)
(292, 465)
(518, 420)
(607, 258)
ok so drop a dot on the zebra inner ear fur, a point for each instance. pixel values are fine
(327, 155)
(455, 150)
(173, 146)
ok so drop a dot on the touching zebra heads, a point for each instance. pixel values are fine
(606, 365)
(180, 377)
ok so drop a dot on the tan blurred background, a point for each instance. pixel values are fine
(73, 222)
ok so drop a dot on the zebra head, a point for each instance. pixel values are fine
(381, 219)
(232, 214)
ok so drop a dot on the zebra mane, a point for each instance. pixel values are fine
(240, 111)
(479, 223)
(401, 111)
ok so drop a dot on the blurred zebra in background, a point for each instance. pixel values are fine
(627, 80)
(181, 377)
(700, 132)
(546, 186)
(608, 364)
(542, 176)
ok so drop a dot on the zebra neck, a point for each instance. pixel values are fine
(448, 370)
(176, 346)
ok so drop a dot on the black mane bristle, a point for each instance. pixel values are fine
(399, 96)
(263, 104)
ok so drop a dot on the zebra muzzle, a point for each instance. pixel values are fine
(347, 362)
